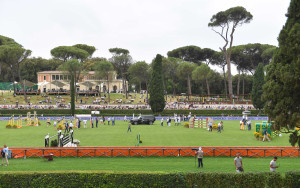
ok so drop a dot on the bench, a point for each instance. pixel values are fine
(49, 157)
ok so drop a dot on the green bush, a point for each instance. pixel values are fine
(54, 143)
(197, 179)
(122, 112)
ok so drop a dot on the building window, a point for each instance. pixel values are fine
(65, 77)
(56, 77)
(53, 77)
(44, 77)
(61, 77)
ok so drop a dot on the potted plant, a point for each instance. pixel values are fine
(186, 125)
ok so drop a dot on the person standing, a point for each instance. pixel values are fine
(70, 126)
(108, 120)
(113, 121)
(162, 122)
(4, 154)
(273, 165)
(266, 137)
(125, 118)
(92, 122)
(66, 127)
(200, 154)
(222, 127)
(79, 121)
(97, 120)
(238, 163)
(249, 125)
(54, 124)
(84, 123)
(48, 122)
(210, 126)
(103, 120)
(129, 127)
(219, 127)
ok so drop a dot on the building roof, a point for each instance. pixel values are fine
(59, 72)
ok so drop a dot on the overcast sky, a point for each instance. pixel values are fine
(144, 27)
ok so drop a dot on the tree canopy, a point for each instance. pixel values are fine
(282, 87)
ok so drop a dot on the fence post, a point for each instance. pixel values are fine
(179, 152)
(25, 153)
(163, 152)
(213, 151)
(146, 152)
(111, 152)
(129, 152)
(247, 152)
(230, 152)
(264, 152)
(77, 151)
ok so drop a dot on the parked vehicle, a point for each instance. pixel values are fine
(144, 119)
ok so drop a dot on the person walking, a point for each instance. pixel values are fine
(273, 165)
(266, 137)
(238, 163)
(79, 121)
(249, 125)
(129, 127)
(4, 154)
(200, 154)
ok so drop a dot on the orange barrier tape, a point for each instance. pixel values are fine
(155, 151)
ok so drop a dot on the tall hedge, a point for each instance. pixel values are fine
(122, 112)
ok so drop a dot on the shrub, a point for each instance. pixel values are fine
(8, 125)
(54, 143)
(60, 127)
(14, 126)
(186, 125)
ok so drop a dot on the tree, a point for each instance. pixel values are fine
(139, 72)
(104, 71)
(201, 73)
(228, 20)
(184, 71)
(121, 61)
(72, 67)
(170, 65)
(13, 55)
(188, 53)
(220, 61)
(257, 87)
(281, 90)
(156, 90)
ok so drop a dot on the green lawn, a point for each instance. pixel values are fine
(151, 135)
(148, 164)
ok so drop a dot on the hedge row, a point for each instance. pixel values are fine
(83, 179)
(122, 112)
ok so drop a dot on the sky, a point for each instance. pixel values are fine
(144, 27)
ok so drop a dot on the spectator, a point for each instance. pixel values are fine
(4, 154)
(200, 154)
(238, 163)
(273, 165)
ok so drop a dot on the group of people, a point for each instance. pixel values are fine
(238, 163)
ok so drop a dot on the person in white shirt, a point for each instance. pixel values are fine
(219, 126)
(162, 121)
(70, 126)
(273, 165)
(54, 124)
(4, 154)
(238, 163)
(84, 123)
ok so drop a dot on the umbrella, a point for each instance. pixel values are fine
(58, 83)
(43, 83)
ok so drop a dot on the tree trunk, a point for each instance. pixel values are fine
(147, 92)
(243, 85)
(238, 83)
(125, 87)
(225, 83)
(72, 85)
(108, 90)
(207, 86)
(23, 85)
(189, 86)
